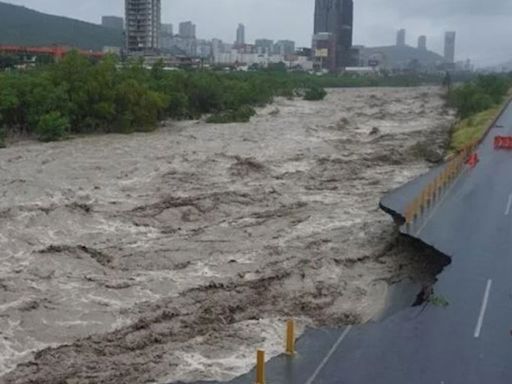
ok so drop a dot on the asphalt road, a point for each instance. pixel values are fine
(466, 341)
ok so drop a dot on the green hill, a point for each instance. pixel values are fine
(23, 26)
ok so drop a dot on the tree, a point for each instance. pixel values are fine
(45, 97)
(158, 71)
(137, 108)
(73, 73)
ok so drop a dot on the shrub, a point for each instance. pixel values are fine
(315, 93)
(178, 105)
(240, 115)
(52, 127)
(478, 95)
(137, 108)
(205, 93)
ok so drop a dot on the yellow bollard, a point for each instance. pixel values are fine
(418, 207)
(425, 197)
(410, 213)
(290, 337)
(413, 211)
(260, 367)
(407, 216)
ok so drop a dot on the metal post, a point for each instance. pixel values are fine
(260, 367)
(290, 337)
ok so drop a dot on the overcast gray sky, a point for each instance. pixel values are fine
(483, 26)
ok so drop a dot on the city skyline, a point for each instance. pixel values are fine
(375, 21)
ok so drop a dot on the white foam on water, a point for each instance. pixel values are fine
(234, 360)
(13, 350)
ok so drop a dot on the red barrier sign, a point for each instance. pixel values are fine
(473, 160)
(503, 142)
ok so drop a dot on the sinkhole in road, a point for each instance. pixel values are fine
(419, 287)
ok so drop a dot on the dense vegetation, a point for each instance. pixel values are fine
(477, 103)
(484, 92)
(77, 95)
(23, 26)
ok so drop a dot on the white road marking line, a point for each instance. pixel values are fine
(440, 203)
(329, 355)
(478, 328)
(509, 205)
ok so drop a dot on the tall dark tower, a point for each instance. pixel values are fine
(337, 17)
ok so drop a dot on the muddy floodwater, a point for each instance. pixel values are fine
(173, 255)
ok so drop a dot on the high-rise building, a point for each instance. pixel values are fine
(187, 30)
(449, 47)
(284, 47)
(400, 38)
(167, 29)
(337, 18)
(422, 43)
(166, 36)
(184, 46)
(324, 51)
(240, 35)
(264, 46)
(203, 49)
(142, 26)
(219, 47)
(113, 22)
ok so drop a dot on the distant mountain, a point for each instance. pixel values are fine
(23, 26)
(402, 56)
